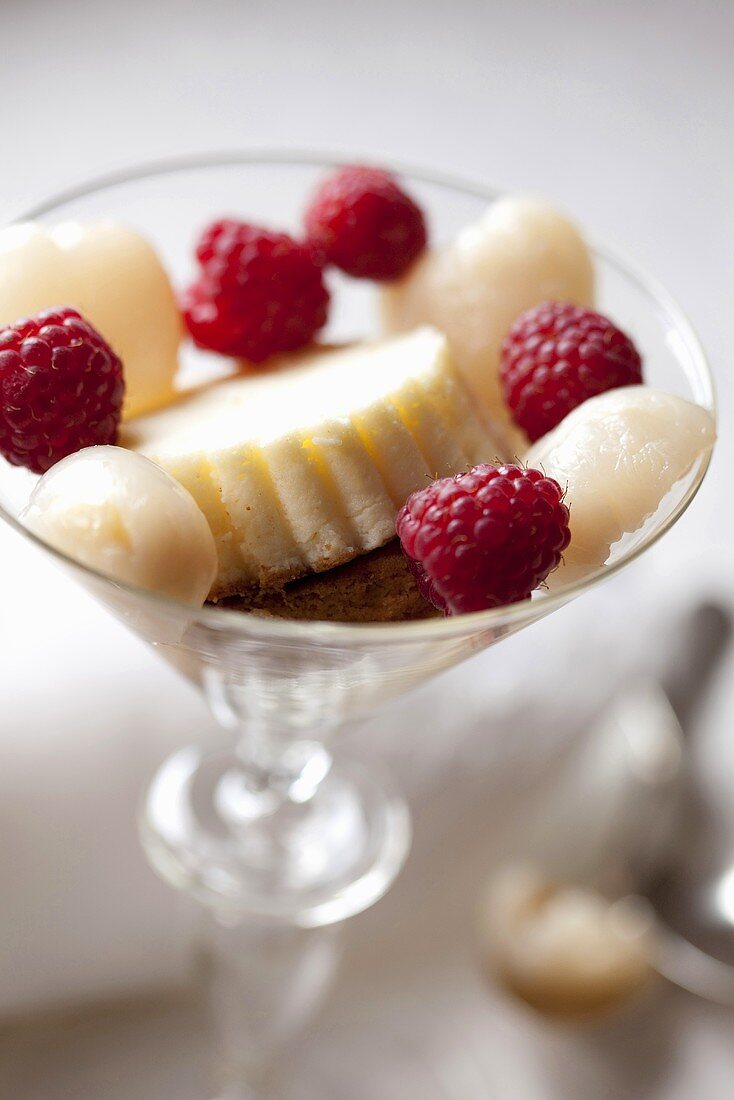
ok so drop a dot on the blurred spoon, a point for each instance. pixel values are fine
(691, 887)
(624, 814)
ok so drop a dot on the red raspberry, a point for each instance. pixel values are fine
(362, 221)
(484, 538)
(557, 355)
(259, 293)
(425, 585)
(61, 388)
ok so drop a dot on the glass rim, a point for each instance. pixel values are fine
(221, 618)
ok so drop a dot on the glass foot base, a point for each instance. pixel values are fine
(307, 862)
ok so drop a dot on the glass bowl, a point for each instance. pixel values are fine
(273, 825)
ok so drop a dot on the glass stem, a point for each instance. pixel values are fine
(264, 983)
(279, 759)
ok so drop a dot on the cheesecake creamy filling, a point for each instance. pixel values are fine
(304, 467)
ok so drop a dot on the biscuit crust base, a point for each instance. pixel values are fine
(374, 588)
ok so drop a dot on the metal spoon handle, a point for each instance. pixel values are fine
(701, 643)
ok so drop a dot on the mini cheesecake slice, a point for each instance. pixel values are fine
(303, 468)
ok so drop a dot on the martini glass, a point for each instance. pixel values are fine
(278, 823)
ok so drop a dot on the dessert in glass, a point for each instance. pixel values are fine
(247, 527)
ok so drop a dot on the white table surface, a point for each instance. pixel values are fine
(622, 113)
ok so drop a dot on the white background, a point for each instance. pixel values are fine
(620, 112)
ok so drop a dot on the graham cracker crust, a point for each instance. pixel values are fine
(374, 588)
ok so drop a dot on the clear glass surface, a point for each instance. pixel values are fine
(263, 982)
(272, 825)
